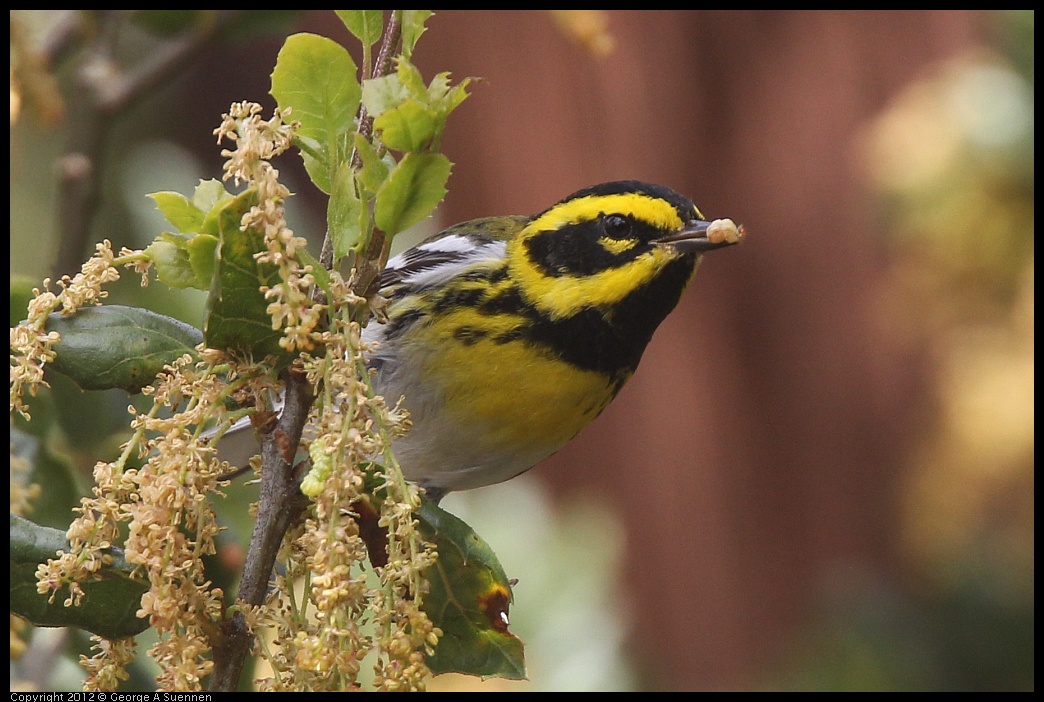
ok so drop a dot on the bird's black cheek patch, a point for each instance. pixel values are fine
(575, 251)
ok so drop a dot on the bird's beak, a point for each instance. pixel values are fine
(699, 236)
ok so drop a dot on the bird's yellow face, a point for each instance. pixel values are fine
(604, 244)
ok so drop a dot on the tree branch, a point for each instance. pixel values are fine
(279, 506)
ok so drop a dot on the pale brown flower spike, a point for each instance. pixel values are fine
(166, 506)
(257, 141)
(32, 347)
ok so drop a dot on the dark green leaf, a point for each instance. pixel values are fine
(113, 346)
(236, 318)
(412, 191)
(110, 604)
(468, 600)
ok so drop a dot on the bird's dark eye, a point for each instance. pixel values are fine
(616, 226)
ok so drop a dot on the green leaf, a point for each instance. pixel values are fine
(110, 603)
(366, 25)
(412, 191)
(409, 127)
(412, 28)
(468, 599)
(411, 78)
(409, 115)
(383, 93)
(444, 97)
(45, 466)
(202, 251)
(179, 211)
(374, 169)
(236, 318)
(193, 216)
(321, 275)
(184, 261)
(171, 261)
(318, 79)
(345, 216)
(315, 162)
(112, 346)
(209, 194)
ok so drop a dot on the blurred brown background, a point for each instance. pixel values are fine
(823, 468)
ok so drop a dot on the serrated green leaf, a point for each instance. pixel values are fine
(112, 346)
(383, 93)
(344, 215)
(318, 79)
(412, 191)
(411, 79)
(412, 29)
(110, 603)
(236, 317)
(438, 87)
(181, 212)
(468, 599)
(209, 194)
(366, 25)
(409, 127)
(443, 97)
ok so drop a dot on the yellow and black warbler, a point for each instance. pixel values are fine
(508, 335)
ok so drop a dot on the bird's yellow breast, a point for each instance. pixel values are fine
(510, 391)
